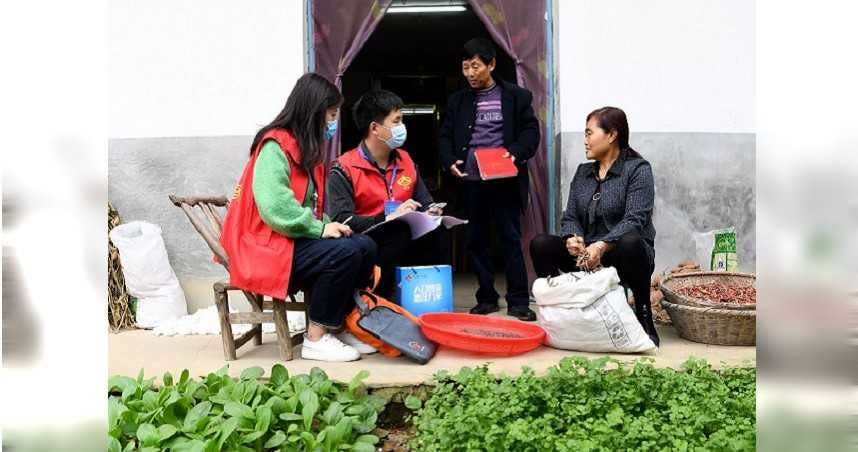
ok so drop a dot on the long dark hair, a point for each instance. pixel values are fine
(304, 116)
(614, 119)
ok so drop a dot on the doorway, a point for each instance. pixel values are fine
(418, 57)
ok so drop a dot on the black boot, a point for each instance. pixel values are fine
(485, 308)
(648, 325)
(522, 313)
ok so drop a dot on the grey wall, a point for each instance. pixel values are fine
(704, 181)
(142, 172)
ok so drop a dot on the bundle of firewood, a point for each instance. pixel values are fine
(119, 313)
(659, 315)
(686, 267)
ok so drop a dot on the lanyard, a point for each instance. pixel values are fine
(388, 184)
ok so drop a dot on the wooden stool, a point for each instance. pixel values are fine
(208, 223)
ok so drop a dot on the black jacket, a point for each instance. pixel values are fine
(626, 203)
(520, 129)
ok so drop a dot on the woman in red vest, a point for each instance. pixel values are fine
(378, 181)
(275, 233)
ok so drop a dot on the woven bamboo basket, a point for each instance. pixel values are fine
(713, 326)
(678, 281)
(707, 321)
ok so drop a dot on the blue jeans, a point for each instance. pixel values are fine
(332, 269)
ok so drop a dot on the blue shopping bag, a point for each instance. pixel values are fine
(425, 289)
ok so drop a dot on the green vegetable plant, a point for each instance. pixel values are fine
(591, 405)
(218, 412)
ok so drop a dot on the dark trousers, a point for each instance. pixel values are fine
(396, 248)
(497, 201)
(628, 256)
(332, 269)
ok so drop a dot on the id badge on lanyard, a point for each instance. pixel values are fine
(391, 204)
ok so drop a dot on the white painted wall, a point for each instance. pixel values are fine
(672, 65)
(185, 68)
(191, 68)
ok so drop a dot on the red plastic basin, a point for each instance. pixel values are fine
(481, 334)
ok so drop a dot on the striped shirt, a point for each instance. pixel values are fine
(488, 127)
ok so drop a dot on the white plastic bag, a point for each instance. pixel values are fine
(588, 312)
(207, 321)
(716, 250)
(148, 275)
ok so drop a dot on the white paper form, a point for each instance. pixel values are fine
(421, 223)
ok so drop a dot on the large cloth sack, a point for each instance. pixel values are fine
(588, 312)
(148, 275)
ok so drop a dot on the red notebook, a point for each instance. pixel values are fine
(493, 164)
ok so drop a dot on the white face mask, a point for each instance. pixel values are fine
(398, 135)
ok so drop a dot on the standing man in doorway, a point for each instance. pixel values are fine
(491, 113)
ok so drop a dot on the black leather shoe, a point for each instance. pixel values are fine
(485, 308)
(521, 313)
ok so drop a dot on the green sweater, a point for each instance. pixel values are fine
(276, 201)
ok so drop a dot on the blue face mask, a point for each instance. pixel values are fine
(398, 135)
(331, 130)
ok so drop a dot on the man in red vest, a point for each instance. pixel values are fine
(378, 181)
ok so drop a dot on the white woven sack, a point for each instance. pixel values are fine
(588, 312)
(148, 274)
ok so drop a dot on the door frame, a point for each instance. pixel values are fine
(552, 145)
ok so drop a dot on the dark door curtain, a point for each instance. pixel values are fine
(340, 29)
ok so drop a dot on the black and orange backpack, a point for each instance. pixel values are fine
(388, 327)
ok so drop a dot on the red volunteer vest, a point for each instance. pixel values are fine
(260, 259)
(370, 188)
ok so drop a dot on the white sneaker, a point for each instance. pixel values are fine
(348, 338)
(328, 348)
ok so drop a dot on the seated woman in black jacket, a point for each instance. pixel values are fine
(608, 218)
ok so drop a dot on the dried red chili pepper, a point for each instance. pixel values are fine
(717, 292)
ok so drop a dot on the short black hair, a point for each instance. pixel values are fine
(479, 47)
(374, 106)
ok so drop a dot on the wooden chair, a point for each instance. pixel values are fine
(208, 222)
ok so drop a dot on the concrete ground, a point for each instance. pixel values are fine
(129, 351)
